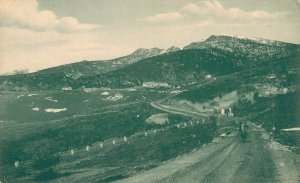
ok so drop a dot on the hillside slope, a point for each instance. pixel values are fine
(84, 68)
(216, 56)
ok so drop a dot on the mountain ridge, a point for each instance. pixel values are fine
(216, 55)
(101, 66)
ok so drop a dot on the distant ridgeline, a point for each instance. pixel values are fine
(217, 55)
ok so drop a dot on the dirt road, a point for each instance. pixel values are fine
(174, 110)
(227, 159)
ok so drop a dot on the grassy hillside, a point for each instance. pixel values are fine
(43, 148)
(267, 96)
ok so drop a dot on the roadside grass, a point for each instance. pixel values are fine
(39, 148)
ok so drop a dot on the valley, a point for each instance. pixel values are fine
(161, 116)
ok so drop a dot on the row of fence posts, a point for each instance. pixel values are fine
(125, 139)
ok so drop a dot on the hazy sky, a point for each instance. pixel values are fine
(36, 34)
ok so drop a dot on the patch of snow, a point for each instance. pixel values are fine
(66, 88)
(89, 90)
(163, 51)
(223, 135)
(50, 99)
(104, 93)
(74, 75)
(155, 84)
(131, 89)
(117, 96)
(272, 76)
(209, 76)
(35, 109)
(260, 40)
(291, 129)
(53, 110)
(32, 94)
(20, 96)
(175, 91)
(160, 118)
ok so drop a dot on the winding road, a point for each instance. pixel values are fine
(175, 110)
(227, 159)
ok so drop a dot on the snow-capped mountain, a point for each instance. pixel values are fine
(253, 48)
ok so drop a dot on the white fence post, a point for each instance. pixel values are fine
(17, 164)
(72, 152)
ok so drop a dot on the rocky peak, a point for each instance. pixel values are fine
(172, 49)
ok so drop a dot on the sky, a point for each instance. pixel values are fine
(37, 34)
